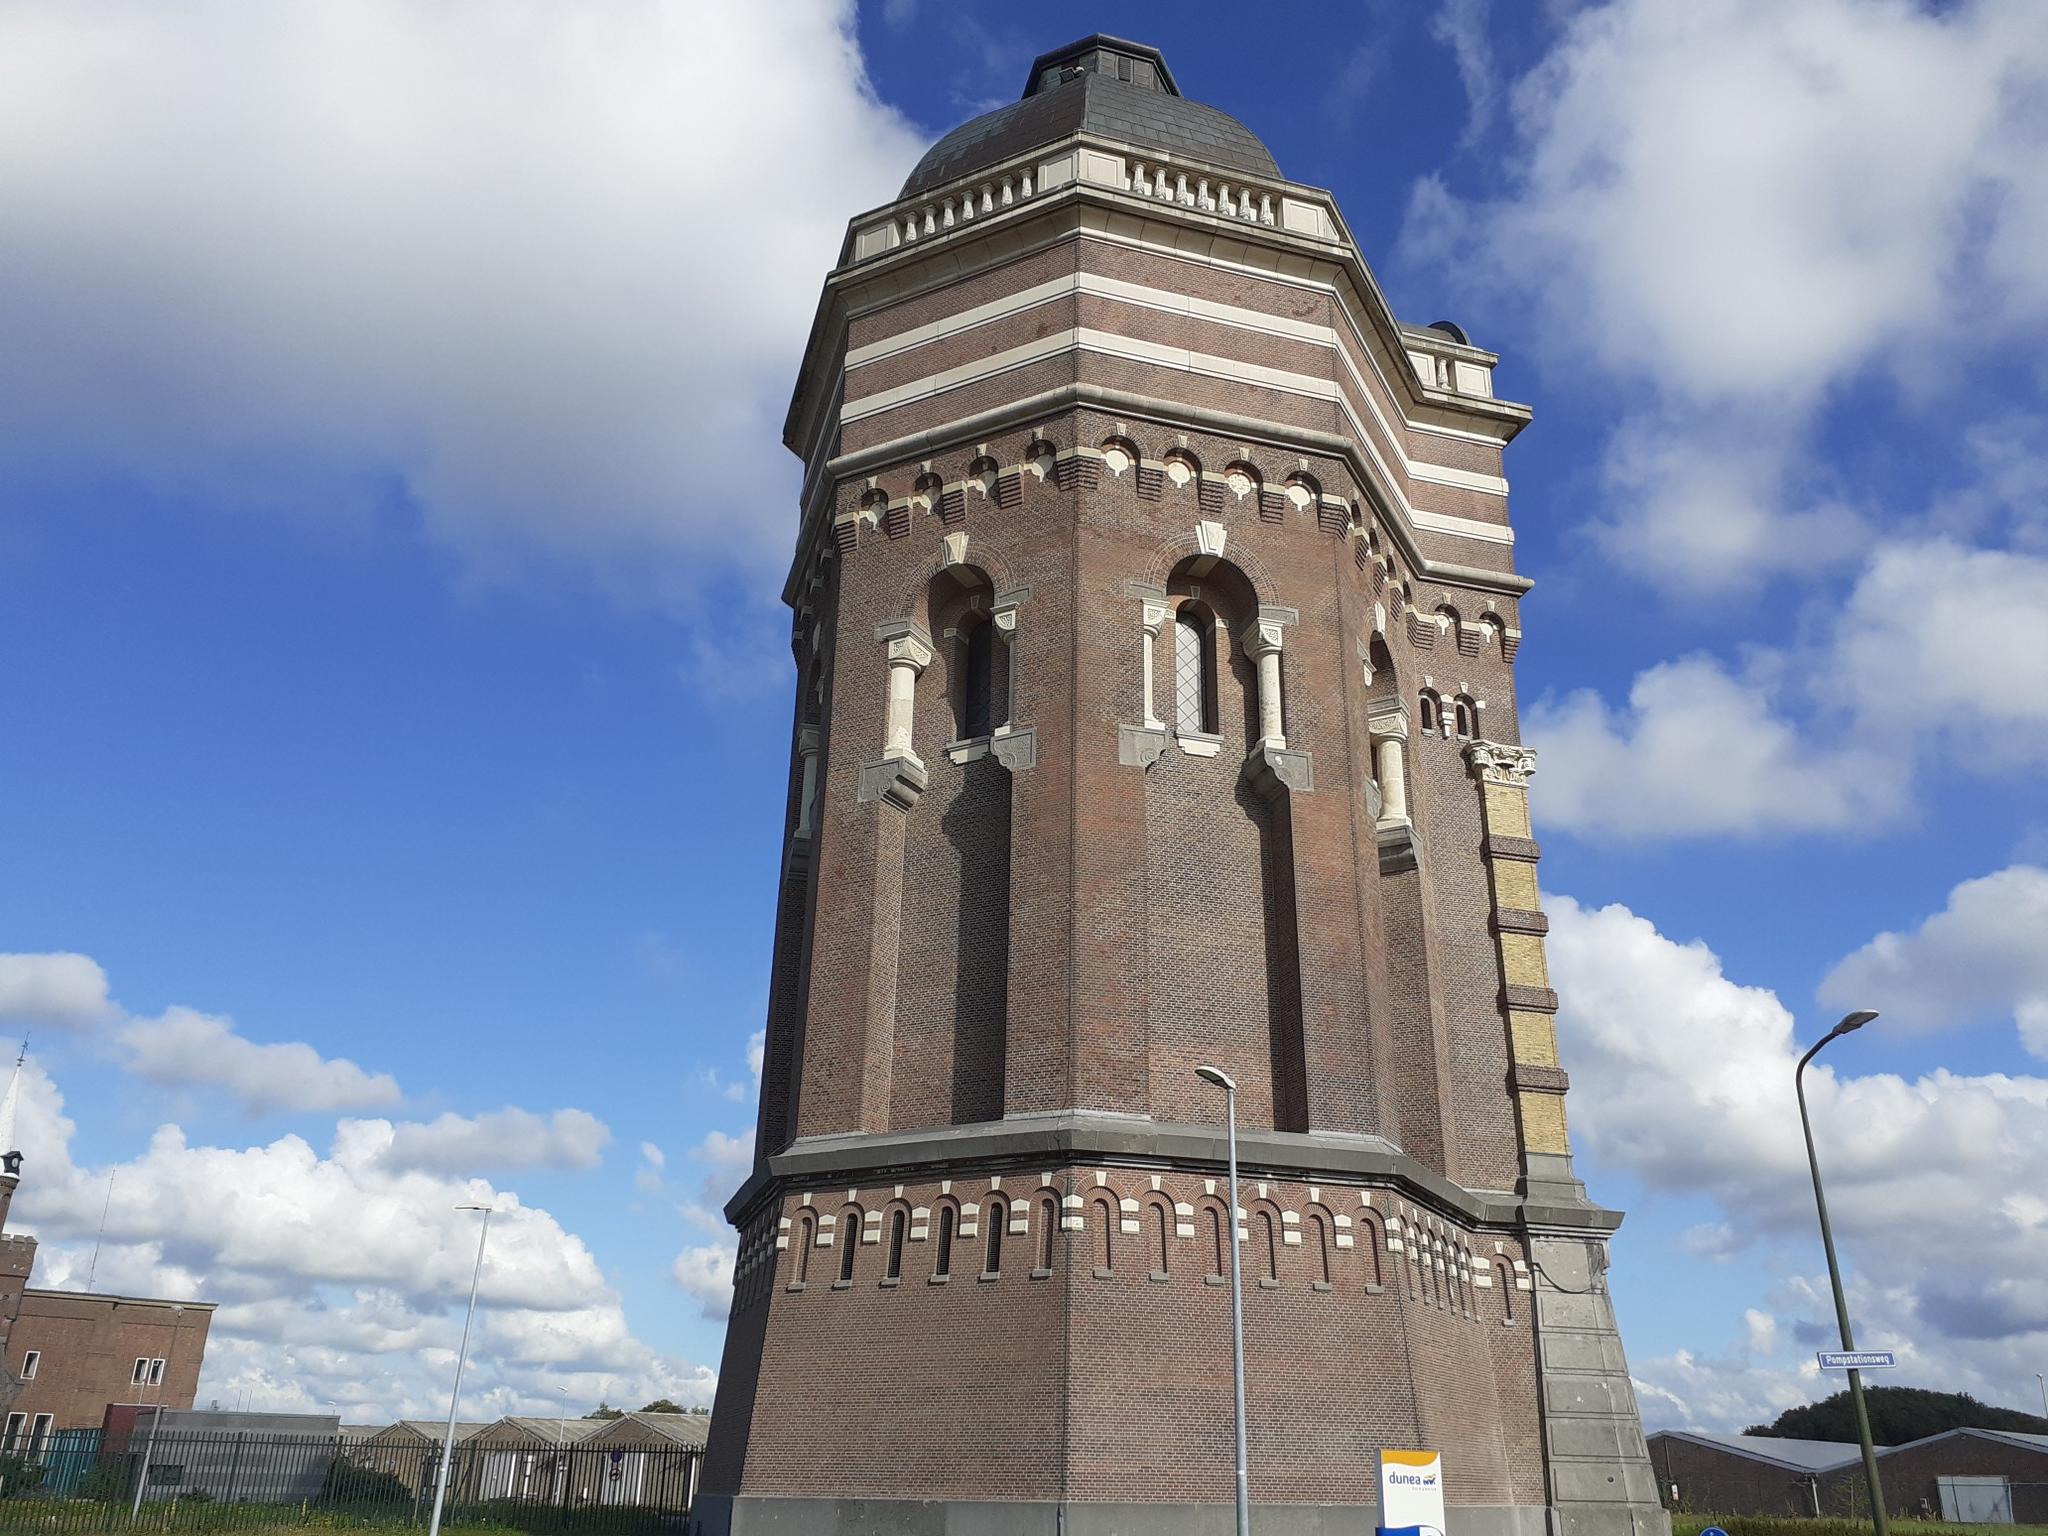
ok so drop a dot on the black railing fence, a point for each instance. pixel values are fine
(234, 1481)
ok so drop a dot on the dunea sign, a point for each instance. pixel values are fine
(1412, 1490)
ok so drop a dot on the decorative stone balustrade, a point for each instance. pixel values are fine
(1171, 184)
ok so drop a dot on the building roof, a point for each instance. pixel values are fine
(1798, 1455)
(2026, 1442)
(683, 1429)
(430, 1429)
(1104, 86)
(551, 1431)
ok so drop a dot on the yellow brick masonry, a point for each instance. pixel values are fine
(1511, 859)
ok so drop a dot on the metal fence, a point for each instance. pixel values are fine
(248, 1482)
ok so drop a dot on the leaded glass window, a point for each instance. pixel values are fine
(1192, 692)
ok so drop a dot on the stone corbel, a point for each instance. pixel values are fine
(1498, 763)
(1275, 770)
(897, 780)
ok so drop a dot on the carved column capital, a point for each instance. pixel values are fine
(1387, 719)
(1151, 616)
(1261, 638)
(1498, 763)
(909, 651)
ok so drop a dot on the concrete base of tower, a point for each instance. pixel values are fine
(748, 1515)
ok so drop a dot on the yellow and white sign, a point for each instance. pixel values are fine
(1412, 1491)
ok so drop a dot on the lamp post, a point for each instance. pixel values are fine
(461, 1357)
(2042, 1382)
(1850, 1023)
(1244, 1509)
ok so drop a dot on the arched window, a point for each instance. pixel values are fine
(1369, 1253)
(1319, 1247)
(942, 1266)
(1216, 1250)
(1464, 718)
(895, 1269)
(1048, 1230)
(849, 1240)
(806, 1234)
(978, 692)
(1431, 710)
(1504, 1281)
(996, 1215)
(1194, 672)
(1105, 1209)
(1162, 1226)
(1269, 1241)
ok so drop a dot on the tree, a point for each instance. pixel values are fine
(661, 1405)
(1897, 1415)
(605, 1410)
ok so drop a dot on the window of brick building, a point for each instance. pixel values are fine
(942, 1266)
(1216, 1249)
(1464, 718)
(1105, 1222)
(30, 1364)
(156, 1372)
(140, 1373)
(1431, 710)
(977, 702)
(1269, 1242)
(1048, 1229)
(1162, 1225)
(1369, 1253)
(17, 1424)
(895, 1269)
(40, 1432)
(1194, 672)
(997, 1217)
(849, 1241)
(806, 1234)
(1319, 1249)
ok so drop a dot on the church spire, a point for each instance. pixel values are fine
(10, 1155)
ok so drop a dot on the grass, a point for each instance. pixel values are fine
(1770, 1525)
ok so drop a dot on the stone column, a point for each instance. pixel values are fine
(1387, 721)
(908, 657)
(807, 793)
(1262, 643)
(1151, 618)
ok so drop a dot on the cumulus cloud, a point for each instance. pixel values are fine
(542, 272)
(339, 1272)
(1682, 1078)
(1981, 956)
(1735, 208)
(1831, 734)
(182, 1048)
(505, 1138)
(705, 1273)
(1698, 752)
(64, 990)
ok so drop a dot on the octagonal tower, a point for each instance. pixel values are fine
(1155, 620)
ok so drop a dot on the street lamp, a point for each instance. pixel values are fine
(1850, 1023)
(461, 1357)
(1244, 1509)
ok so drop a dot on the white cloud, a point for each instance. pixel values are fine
(1698, 752)
(184, 1049)
(1682, 1078)
(705, 1272)
(1908, 650)
(340, 1274)
(64, 990)
(757, 1054)
(505, 1138)
(1463, 26)
(1734, 209)
(1983, 955)
(546, 270)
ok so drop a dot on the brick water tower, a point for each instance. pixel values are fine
(1155, 626)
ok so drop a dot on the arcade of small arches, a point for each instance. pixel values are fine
(1352, 1241)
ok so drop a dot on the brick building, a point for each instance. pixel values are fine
(1155, 619)
(2009, 1471)
(1749, 1474)
(67, 1356)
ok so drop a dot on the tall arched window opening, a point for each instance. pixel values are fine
(807, 1231)
(1432, 712)
(1160, 1230)
(1319, 1240)
(997, 1216)
(1216, 1259)
(895, 1270)
(1464, 718)
(1194, 672)
(1106, 1220)
(943, 1266)
(1270, 1241)
(1048, 1230)
(849, 1240)
(977, 703)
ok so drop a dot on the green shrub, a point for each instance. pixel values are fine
(18, 1476)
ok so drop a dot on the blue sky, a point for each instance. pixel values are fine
(392, 514)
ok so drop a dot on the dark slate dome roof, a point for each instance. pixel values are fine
(1101, 85)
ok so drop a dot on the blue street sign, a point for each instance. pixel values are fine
(1854, 1360)
(1713, 1530)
